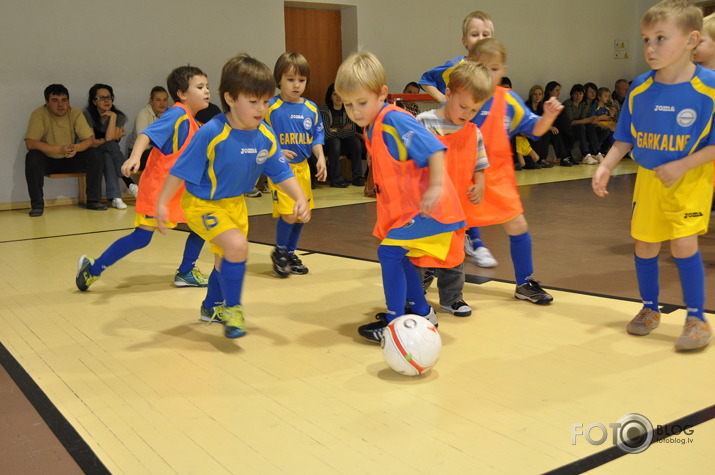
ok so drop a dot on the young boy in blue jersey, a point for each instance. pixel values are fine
(667, 119)
(476, 26)
(170, 134)
(417, 206)
(223, 162)
(299, 127)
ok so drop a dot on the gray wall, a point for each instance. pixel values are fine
(132, 45)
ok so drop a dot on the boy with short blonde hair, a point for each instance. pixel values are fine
(667, 119)
(705, 51)
(469, 87)
(417, 206)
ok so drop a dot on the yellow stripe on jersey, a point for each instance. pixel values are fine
(211, 155)
(267, 132)
(702, 88)
(448, 72)
(518, 112)
(401, 150)
(634, 93)
(275, 106)
(178, 123)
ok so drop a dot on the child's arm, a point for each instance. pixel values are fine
(434, 92)
(434, 190)
(476, 191)
(134, 161)
(552, 108)
(603, 173)
(322, 169)
(671, 172)
(292, 188)
(171, 186)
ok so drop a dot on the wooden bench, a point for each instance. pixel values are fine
(81, 184)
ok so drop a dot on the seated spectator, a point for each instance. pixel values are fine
(52, 139)
(619, 91)
(506, 82)
(580, 126)
(411, 88)
(541, 145)
(108, 124)
(340, 139)
(561, 128)
(157, 105)
(604, 112)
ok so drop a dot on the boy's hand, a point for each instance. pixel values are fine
(289, 154)
(553, 107)
(429, 198)
(302, 210)
(162, 213)
(670, 172)
(131, 165)
(475, 193)
(322, 169)
(600, 181)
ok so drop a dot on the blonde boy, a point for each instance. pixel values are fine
(667, 121)
(465, 160)
(705, 51)
(417, 206)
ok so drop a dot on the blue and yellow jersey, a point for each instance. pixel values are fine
(169, 132)
(407, 139)
(666, 122)
(298, 126)
(439, 76)
(223, 162)
(518, 119)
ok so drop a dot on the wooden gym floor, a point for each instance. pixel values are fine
(125, 379)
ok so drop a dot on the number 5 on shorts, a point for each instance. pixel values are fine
(209, 221)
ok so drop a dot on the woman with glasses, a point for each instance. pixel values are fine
(108, 124)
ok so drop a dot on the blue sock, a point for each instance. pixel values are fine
(415, 292)
(521, 257)
(283, 233)
(214, 296)
(138, 239)
(192, 249)
(294, 236)
(232, 281)
(692, 279)
(394, 282)
(476, 236)
(647, 272)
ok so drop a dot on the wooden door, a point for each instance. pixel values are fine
(315, 34)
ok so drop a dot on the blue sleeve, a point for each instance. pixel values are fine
(407, 139)
(192, 162)
(522, 119)
(276, 167)
(162, 131)
(436, 77)
(319, 129)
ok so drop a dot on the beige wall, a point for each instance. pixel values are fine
(133, 47)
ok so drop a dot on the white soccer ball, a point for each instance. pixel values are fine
(411, 345)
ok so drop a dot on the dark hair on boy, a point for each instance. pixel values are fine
(179, 78)
(56, 90)
(291, 61)
(246, 75)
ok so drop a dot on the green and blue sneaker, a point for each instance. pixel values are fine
(192, 278)
(232, 317)
(84, 279)
(212, 314)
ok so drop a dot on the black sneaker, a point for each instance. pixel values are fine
(458, 309)
(281, 264)
(533, 292)
(373, 331)
(427, 279)
(545, 164)
(296, 265)
(359, 181)
(566, 162)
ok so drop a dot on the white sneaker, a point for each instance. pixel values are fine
(119, 204)
(468, 249)
(590, 160)
(134, 189)
(600, 157)
(484, 258)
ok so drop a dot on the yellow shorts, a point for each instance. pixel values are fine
(146, 220)
(522, 146)
(661, 214)
(284, 204)
(209, 218)
(435, 246)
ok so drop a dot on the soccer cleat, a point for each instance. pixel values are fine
(644, 322)
(431, 317)
(427, 279)
(281, 263)
(296, 265)
(211, 314)
(232, 317)
(696, 334)
(192, 278)
(373, 331)
(133, 189)
(84, 279)
(484, 258)
(118, 203)
(458, 309)
(532, 291)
